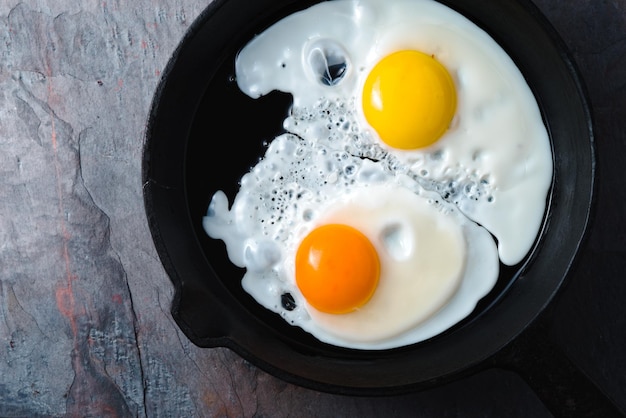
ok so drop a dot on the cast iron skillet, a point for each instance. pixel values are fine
(203, 135)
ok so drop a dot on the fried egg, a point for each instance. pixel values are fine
(412, 139)
(422, 250)
(353, 254)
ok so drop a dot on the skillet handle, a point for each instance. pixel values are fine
(201, 316)
(563, 388)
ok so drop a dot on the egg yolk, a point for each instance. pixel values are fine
(409, 99)
(337, 268)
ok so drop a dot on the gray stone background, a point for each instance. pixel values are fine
(85, 328)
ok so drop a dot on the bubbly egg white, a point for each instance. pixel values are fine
(493, 165)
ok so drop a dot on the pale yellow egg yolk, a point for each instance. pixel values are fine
(337, 268)
(409, 99)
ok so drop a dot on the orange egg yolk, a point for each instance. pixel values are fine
(337, 268)
(409, 99)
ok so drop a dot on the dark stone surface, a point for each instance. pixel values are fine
(85, 328)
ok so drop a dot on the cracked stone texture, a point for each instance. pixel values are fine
(85, 328)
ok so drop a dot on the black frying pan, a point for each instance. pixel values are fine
(204, 134)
